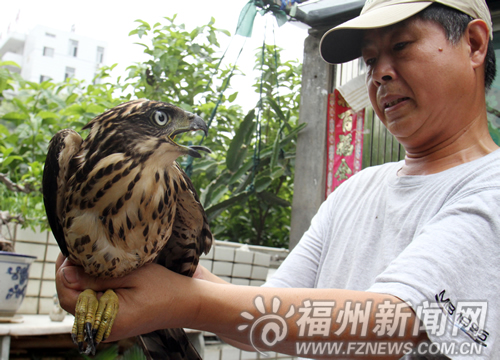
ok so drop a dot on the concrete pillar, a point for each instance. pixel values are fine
(310, 162)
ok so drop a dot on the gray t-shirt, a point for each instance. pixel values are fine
(432, 241)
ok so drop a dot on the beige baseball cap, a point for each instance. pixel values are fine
(342, 43)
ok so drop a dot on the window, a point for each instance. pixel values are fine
(73, 48)
(50, 35)
(100, 55)
(69, 73)
(48, 51)
(44, 78)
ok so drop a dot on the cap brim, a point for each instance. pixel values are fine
(343, 42)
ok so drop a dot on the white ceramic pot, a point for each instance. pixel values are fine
(14, 273)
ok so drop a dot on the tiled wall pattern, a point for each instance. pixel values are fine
(235, 263)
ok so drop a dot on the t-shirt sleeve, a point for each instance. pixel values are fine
(300, 268)
(449, 273)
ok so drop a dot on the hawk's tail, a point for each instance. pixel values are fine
(168, 344)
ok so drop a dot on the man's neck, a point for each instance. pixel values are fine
(468, 145)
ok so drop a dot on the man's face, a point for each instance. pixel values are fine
(418, 81)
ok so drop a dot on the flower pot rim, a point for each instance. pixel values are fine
(17, 255)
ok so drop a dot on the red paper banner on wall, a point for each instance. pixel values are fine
(344, 141)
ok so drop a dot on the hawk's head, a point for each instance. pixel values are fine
(141, 127)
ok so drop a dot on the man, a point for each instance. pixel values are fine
(421, 232)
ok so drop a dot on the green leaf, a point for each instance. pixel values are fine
(134, 353)
(232, 97)
(273, 199)
(241, 172)
(47, 115)
(4, 130)
(20, 105)
(214, 210)
(14, 116)
(95, 109)
(213, 189)
(262, 183)
(277, 172)
(10, 159)
(9, 63)
(292, 134)
(276, 147)
(143, 24)
(110, 353)
(75, 109)
(70, 99)
(195, 48)
(6, 151)
(276, 108)
(238, 148)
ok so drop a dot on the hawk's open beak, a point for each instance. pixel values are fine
(195, 123)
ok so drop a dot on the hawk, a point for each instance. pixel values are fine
(118, 200)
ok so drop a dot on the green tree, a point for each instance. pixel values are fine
(30, 114)
(250, 199)
(246, 184)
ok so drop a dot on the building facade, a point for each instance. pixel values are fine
(45, 53)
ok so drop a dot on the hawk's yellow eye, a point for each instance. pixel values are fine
(160, 118)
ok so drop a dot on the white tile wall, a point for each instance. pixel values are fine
(30, 235)
(259, 272)
(8, 231)
(206, 263)
(232, 264)
(242, 256)
(224, 268)
(242, 270)
(240, 266)
(48, 289)
(223, 253)
(257, 282)
(32, 249)
(29, 306)
(262, 259)
(36, 269)
(41, 284)
(45, 305)
(49, 271)
(237, 281)
(52, 252)
(33, 288)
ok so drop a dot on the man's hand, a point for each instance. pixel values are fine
(147, 296)
(203, 274)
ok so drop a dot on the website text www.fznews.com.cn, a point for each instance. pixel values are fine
(309, 348)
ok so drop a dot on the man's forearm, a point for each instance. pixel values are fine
(239, 314)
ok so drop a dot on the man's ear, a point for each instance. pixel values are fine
(477, 36)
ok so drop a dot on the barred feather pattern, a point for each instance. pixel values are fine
(118, 200)
(168, 344)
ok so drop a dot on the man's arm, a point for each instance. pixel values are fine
(153, 297)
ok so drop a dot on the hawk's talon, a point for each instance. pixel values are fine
(93, 319)
(90, 337)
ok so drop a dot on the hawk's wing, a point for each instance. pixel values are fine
(62, 148)
(191, 235)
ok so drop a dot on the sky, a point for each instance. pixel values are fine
(112, 20)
